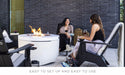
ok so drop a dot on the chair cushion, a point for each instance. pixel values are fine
(17, 59)
(6, 37)
(93, 48)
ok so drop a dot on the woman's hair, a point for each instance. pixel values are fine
(63, 22)
(97, 20)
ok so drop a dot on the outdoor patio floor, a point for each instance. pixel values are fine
(110, 55)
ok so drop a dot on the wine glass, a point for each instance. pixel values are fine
(85, 31)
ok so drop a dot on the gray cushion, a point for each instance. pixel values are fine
(17, 59)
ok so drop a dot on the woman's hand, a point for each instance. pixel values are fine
(80, 37)
(68, 35)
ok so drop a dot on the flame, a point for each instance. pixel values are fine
(37, 32)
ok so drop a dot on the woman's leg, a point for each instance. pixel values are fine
(62, 44)
(93, 48)
(67, 41)
(74, 51)
(89, 47)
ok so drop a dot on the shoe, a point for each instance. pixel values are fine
(71, 61)
(68, 48)
(64, 64)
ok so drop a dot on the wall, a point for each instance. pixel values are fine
(4, 14)
(48, 13)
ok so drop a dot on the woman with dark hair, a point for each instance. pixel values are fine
(97, 35)
(64, 32)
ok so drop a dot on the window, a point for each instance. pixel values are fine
(17, 16)
(121, 11)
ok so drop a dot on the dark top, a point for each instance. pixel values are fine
(66, 30)
(98, 35)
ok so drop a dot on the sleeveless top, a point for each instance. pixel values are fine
(98, 35)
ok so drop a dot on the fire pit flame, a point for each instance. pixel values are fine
(37, 32)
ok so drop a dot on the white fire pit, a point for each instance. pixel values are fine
(47, 47)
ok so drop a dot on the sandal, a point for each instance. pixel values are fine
(64, 64)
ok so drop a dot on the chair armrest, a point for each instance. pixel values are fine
(94, 42)
(25, 47)
(14, 37)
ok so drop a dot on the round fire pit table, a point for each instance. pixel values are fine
(47, 47)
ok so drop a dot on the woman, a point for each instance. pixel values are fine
(64, 33)
(97, 35)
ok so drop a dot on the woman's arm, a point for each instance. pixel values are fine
(71, 29)
(62, 30)
(94, 28)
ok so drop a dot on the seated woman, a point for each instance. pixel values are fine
(64, 33)
(97, 35)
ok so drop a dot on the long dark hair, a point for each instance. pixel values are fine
(63, 22)
(97, 20)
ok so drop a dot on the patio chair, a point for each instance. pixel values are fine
(13, 38)
(13, 57)
(58, 28)
(97, 58)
